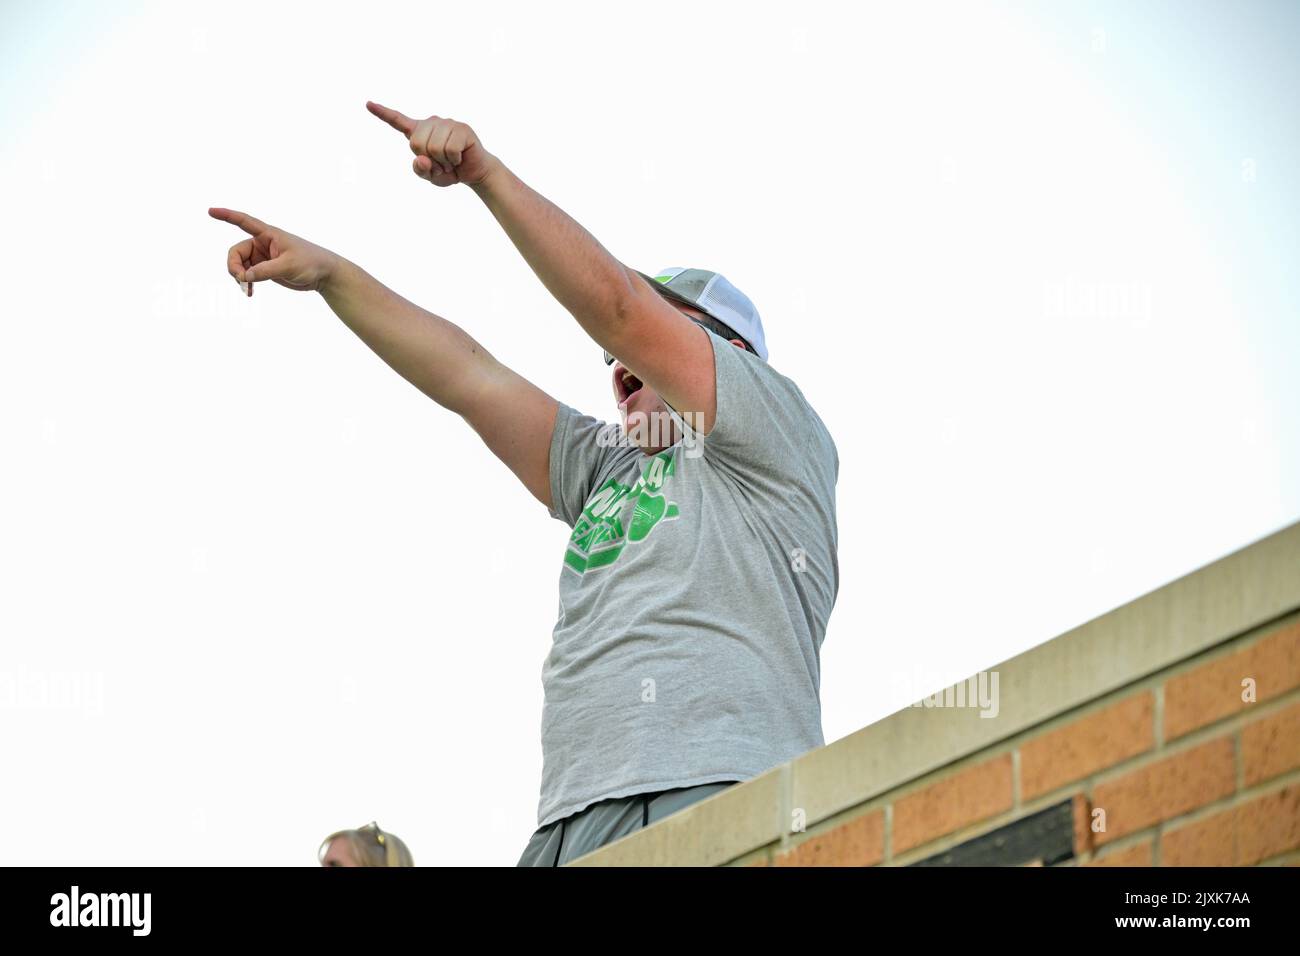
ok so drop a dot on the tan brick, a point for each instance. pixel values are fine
(1268, 826)
(1244, 835)
(1208, 842)
(1271, 746)
(1091, 743)
(1165, 789)
(860, 842)
(956, 801)
(1137, 855)
(1275, 663)
(1213, 691)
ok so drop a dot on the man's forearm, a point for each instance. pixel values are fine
(436, 356)
(581, 273)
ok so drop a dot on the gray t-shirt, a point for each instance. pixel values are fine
(694, 595)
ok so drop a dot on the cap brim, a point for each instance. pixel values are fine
(666, 292)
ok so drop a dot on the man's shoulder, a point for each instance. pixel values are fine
(791, 401)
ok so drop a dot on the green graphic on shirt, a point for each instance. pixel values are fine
(599, 536)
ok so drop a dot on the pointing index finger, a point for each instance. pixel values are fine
(403, 124)
(248, 223)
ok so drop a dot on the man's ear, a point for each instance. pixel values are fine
(740, 344)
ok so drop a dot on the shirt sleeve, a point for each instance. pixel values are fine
(762, 422)
(583, 451)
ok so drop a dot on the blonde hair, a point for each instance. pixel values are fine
(371, 846)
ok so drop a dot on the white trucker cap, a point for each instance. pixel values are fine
(710, 292)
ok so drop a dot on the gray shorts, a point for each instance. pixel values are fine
(557, 843)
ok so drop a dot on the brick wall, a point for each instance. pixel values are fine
(1176, 770)
(1165, 733)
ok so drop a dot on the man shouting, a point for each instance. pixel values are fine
(701, 569)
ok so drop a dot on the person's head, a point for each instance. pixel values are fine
(364, 846)
(645, 416)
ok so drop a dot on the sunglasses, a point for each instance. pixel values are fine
(370, 829)
(373, 829)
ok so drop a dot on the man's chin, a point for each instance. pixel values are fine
(652, 432)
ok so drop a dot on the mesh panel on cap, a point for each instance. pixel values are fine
(713, 293)
(727, 303)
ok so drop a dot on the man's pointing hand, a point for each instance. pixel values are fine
(446, 151)
(274, 254)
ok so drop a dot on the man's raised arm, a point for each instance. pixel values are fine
(611, 302)
(512, 416)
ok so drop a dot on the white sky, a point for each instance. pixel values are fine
(1036, 271)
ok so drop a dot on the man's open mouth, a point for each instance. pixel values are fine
(625, 384)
